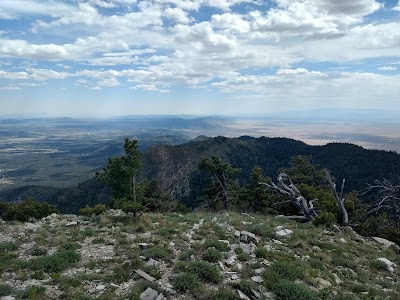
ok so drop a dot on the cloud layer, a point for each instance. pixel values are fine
(247, 49)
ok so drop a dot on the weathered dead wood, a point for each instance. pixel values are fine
(339, 198)
(285, 186)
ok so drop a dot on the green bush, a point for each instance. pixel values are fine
(212, 255)
(34, 292)
(379, 265)
(26, 209)
(288, 290)
(186, 282)
(325, 218)
(6, 247)
(205, 271)
(225, 294)
(262, 252)
(56, 262)
(282, 270)
(246, 286)
(157, 252)
(243, 256)
(38, 251)
(221, 246)
(5, 290)
(89, 211)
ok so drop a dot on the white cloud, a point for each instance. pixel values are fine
(397, 7)
(387, 68)
(299, 72)
(10, 87)
(177, 14)
(108, 82)
(14, 75)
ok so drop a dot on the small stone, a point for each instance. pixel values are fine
(230, 261)
(342, 240)
(257, 279)
(171, 244)
(336, 229)
(145, 275)
(143, 246)
(389, 264)
(337, 279)
(53, 215)
(160, 297)
(152, 262)
(73, 223)
(7, 298)
(234, 277)
(221, 265)
(149, 294)
(196, 227)
(214, 220)
(100, 287)
(277, 242)
(225, 242)
(259, 270)
(239, 266)
(243, 295)
(281, 231)
(316, 248)
(385, 243)
(323, 283)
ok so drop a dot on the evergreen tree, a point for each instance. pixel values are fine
(121, 172)
(220, 181)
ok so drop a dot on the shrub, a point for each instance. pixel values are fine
(205, 271)
(281, 270)
(243, 256)
(246, 286)
(70, 246)
(262, 252)
(185, 255)
(89, 211)
(186, 281)
(38, 251)
(57, 262)
(325, 218)
(6, 247)
(34, 292)
(212, 255)
(225, 294)
(26, 209)
(379, 265)
(287, 290)
(5, 290)
(157, 252)
(221, 246)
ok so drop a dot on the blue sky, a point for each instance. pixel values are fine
(120, 57)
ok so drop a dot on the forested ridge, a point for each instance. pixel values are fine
(175, 168)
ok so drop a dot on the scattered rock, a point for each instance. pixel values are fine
(281, 231)
(337, 279)
(235, 277)
(316, 249)
(385, 243)
(225, 242)
(257, 279)
(196, 227)
(243, 295)
(152, 262)
(230, 261)
(145, 275)
(269, 296)
(247, 237)
(336, 229)
(342, 240)
(248, 248)
(259, 270)
(160, 297)
(100, 287)
(149, 294)
(7, 298)
(323, 283)
(390, 265)
(73, 223)
(143, 246)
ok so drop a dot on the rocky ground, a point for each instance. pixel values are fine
(192, 256)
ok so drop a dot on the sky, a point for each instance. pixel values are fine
(125, 57)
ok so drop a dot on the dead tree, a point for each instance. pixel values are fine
(389, 201)
(285, 186)
(339, 198)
